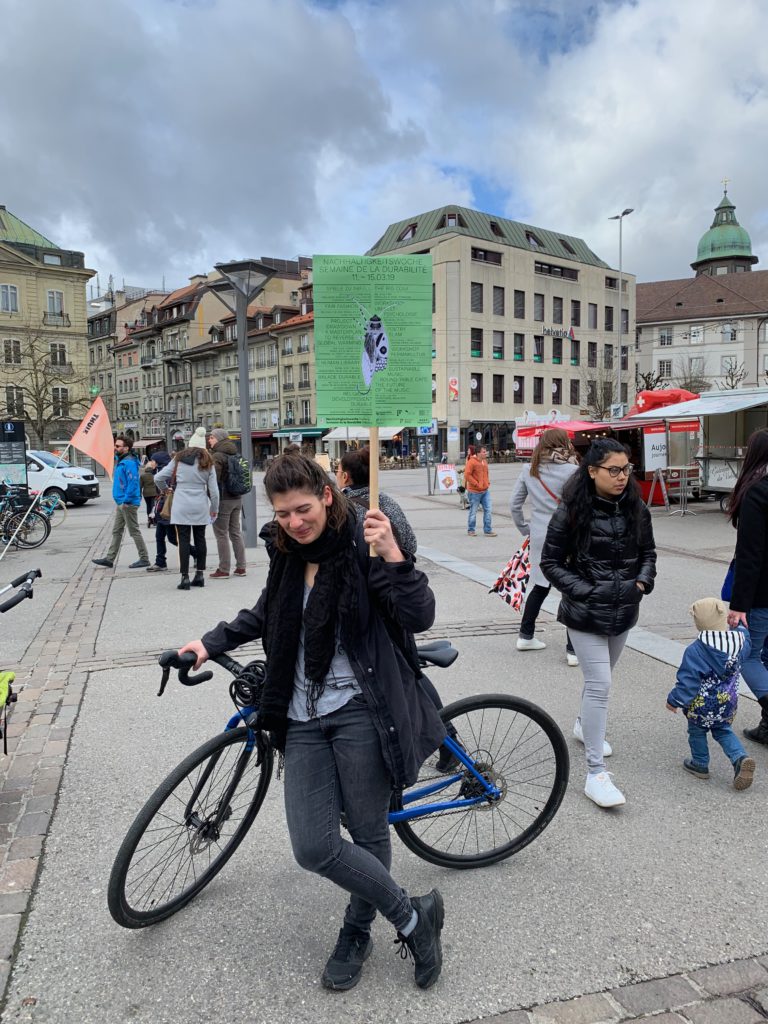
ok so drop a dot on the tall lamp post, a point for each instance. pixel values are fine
(620, 218)
(240, 283)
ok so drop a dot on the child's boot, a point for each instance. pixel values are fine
(699, 771)
(743, 773)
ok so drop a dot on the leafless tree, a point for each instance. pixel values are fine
(599, 387)
(40, 385)
(687, 375)
(734, 375)
(649, 381)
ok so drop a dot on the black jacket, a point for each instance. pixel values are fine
(598, 585)
(750, 582)
(221, 452)
(393, 599)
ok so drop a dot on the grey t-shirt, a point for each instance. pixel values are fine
(340, 683)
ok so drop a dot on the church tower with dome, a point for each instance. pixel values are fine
(726, 248)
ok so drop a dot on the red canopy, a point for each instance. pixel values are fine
(571, 427)
(647, 400)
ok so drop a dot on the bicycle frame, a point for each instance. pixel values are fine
(228, 793)
(490, 792)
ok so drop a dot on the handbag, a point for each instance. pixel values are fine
(513, 579)
(166, 502)
(727, 588)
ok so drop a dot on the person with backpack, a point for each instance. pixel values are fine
(231, 477)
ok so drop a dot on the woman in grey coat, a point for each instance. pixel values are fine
(195, 504)
(552, 463)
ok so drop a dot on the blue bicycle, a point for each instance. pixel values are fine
(492, 787)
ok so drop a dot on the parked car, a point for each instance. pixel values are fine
(46, 473)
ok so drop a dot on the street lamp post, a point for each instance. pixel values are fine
(240, 283)
(620, 218)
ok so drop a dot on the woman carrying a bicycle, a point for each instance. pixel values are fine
(600, 554)
(342, 701)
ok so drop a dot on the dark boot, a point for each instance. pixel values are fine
(185, 584)
(199, 580)
(760, 733)
(424, 941)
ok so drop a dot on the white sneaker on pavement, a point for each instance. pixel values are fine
(530, 645)
(571, 660)
(602, 791)
(579, 735)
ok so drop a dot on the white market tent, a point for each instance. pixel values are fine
(361, 433)
(713, 404)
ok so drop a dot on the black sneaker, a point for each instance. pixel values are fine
(140, 563)
(447, 762)
(700, 771)
(345, 964)
(105, 562)
(157, 568)
(743, 773)
(424, 941)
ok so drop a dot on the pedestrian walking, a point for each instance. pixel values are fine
(126, 494)
(192, 477)
(707, 690)
(164, 533)
(342, 700)
(226, 528)
(748, 512)
(478, 484)
(600, 554)
(148, 488)
(553, 462)
(353, 476)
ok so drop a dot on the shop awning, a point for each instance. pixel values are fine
(361, 433)
(145, 442)
(571, 427)
(304, 431)
(715, 405)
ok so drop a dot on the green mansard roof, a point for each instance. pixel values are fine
(13, 230)
(488, 227)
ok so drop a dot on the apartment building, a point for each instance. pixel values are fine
(44, 376)
(708, 330)
(523, 319)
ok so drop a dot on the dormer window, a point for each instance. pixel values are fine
(496, 229)
(407, 233)
(532, 240)
(567, 246)
(452, 219)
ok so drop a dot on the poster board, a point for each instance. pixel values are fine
(447, 478)
(654, 447)
(373, 340)
(13, 452)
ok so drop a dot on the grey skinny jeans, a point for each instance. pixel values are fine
(597, 656)
(336, 761)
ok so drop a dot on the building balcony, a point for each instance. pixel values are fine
(304, 421)
(59, 369)
(304, 384)
(56, 319)
(288, 385)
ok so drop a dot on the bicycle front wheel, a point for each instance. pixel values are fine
(188, 829)
(515, 745)
(32, 531)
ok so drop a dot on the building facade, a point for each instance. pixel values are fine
(43, 333)
(523, 319)
(708, 330)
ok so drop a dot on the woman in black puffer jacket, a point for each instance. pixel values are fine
(600, 554)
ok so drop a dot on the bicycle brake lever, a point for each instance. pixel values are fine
(164, 680)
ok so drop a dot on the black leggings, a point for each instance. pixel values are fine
(534, 599)
(184, 535)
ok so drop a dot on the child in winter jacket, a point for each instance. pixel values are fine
(707, 690)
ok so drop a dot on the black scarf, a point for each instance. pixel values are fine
(332, 607)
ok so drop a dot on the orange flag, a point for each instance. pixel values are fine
(94, 437)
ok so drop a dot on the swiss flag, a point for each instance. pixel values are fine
(94, 437)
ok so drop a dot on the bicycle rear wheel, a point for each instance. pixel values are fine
(32, 531)
(55, 511)
(183, 836)
(518, 747)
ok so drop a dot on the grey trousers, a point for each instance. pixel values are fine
(597, 656)
(226, 528)
(126, 516)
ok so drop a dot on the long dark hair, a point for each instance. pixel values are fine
(579, 492)
(295, 472)
(752, 470)
(357, 463)
(202, 456)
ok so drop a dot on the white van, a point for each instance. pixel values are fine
(70, 483)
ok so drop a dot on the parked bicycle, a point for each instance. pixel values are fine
(24, 526)
(23, 585)
(492, 788)
(52, 506)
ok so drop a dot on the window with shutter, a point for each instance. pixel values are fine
(476, 303)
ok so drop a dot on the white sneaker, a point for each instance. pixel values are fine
(530, 645)
(602, 791)
(571, 660)
(579, 735)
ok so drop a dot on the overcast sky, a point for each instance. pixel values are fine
(161, 136)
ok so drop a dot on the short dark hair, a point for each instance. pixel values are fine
(357, 463)
(127, 441)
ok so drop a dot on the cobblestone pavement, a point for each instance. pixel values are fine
(52, 675)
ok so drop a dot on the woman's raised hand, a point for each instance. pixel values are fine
(377, 531)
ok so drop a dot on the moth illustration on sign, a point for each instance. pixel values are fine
(375, 354)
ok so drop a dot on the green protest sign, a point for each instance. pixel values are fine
(373, 340)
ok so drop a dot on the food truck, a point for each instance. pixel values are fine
(727, 420)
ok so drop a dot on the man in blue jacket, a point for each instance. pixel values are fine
(126, 493)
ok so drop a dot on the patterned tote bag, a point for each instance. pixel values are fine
(513, 579)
